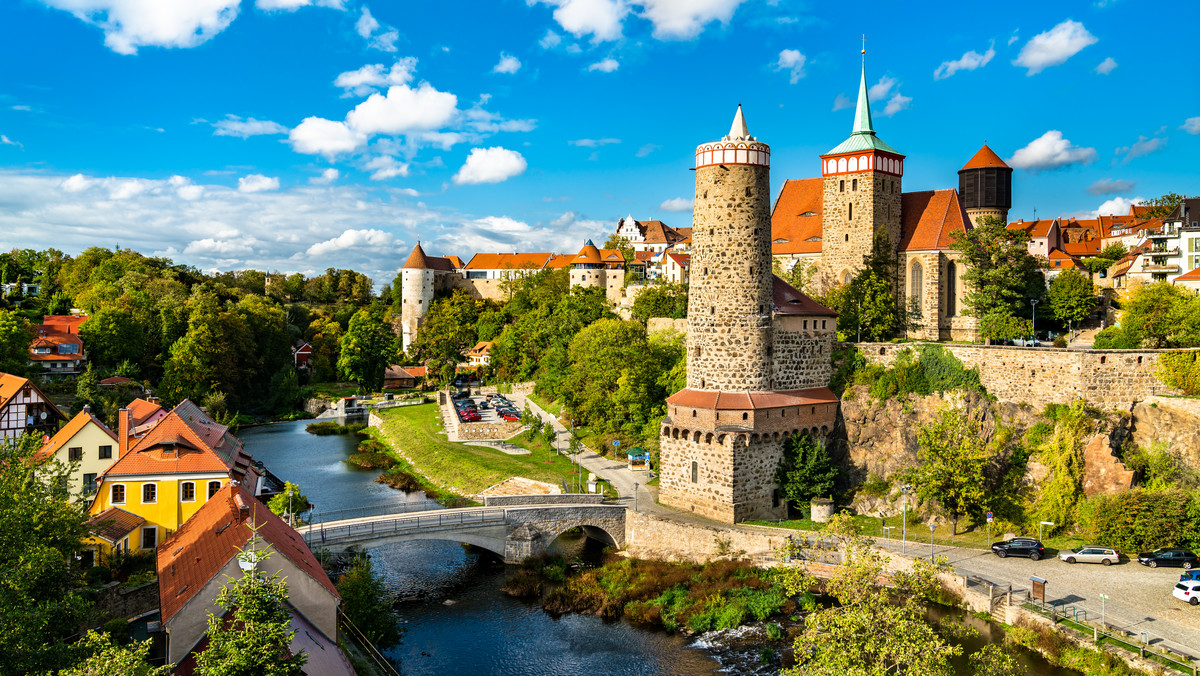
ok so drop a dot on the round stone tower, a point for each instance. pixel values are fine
(587, 270)
(985, 186)
(416, 290)
(729, 306)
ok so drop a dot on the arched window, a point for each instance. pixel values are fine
(854, 184)
(853, 164)
(187, 491)
(842, 164)
(845, 280)
(951, 289)
(916, 286)
(841, 186)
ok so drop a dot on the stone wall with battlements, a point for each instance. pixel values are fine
(735, 474)
(729, 303)
(846, 240)
(1109, 379)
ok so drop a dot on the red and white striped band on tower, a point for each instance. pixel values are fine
(731, 152)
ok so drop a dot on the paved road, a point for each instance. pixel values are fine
(1139, 598)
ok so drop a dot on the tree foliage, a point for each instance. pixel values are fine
(367, 348)
(867, 304)
(1072, 296)
(289, 501)
(1143, 519)
(1062, 453)
(15, 336)
(368, 603)
(1001, 275)
(448, 331)
(953, 457)
(1156, 315)
(661, 300)
(805, 471)
(1162, 205)
(106, 657)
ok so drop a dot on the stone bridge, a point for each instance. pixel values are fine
(513, 531)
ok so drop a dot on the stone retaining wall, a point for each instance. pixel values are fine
(487, 430)
(654, 537)
(660, 324)
(559, 499)
(1111, 379)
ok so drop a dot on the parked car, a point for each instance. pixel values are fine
(1180, 558)
(1091, 554)
(1019, 547)
(1187, 591)
(1190, 575)
(1026, 342)
(512, 417)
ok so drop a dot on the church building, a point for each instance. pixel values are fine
(831, 221)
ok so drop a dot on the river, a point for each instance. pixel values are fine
(458, 620)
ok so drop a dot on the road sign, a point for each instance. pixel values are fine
(989, 517)
(1104, 596)
(616, 442)
(1039, 589)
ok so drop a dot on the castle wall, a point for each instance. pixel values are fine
(729, 304)
(1110, 379)
(614, 285)
(846, 240)
(735, 477)
(484, 289)
(802, 351)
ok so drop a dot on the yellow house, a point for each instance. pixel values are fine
(87, 441)
(164, 476)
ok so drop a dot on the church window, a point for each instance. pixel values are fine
(841, 186)
(854, 184)
(745, 416)
(695, 472)
(951, 289)
(917, 284)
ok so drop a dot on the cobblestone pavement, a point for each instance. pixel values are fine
(1139, 598)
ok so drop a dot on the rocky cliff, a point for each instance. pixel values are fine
(1171, 420)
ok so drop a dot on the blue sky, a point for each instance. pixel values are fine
(296, 135)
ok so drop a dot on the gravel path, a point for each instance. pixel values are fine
(1139, 598)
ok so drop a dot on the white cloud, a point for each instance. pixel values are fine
(366, 79)
(550, 40)
(366, 26)
(351, 239)
(647, 149)
(327, 177)
(880, 89)
(384, 167)
(897, 103)
(842, 102)
(792, 61)
(318, 136)
(490, 165)
(292, 5)
(676, 204)
(124, 189)
(1191, 125)
(969, 61)
(593, 142)
(1110, 186)
(567, 218)
(1106, 66)
(1050, 151)
(685, 19)
(508, 64)
(1143, 146)
(489, 123)
(257, 183)
(1054, 46)
(76, 183)
(6, 141)
(185, 188)
(211, 246)
(233, 125)
(403, 109)
(129, 24)
(607, 65)
(22, 108)
(1118, 206)
(599, 18)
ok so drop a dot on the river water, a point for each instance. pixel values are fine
(457, 618)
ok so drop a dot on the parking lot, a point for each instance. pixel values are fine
(487, 411)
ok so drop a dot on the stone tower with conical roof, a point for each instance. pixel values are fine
(985, 186)
(587, 270)
(861, 185)
(417, 280)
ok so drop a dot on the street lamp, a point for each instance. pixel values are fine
(904, 518)
(1040, 524)
(931, 543)
(1033, 316)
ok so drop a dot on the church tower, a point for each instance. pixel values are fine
(985, 186)
(861, 186)
(730, 290)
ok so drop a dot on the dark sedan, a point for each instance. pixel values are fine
(1019, 547)
(1179, 558)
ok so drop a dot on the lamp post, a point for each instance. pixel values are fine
(1040, 524)
(1033, 315)
(931, 543)
(904, 517)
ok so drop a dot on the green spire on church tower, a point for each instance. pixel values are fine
(862, 136)
(862, 114)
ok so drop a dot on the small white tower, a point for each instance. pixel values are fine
(416, 280)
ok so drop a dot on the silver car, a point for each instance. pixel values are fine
(1091, 554)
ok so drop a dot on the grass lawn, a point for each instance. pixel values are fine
(416, 431)
(976, 538)
(554, 408)
(333, 390)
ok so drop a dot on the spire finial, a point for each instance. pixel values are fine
(738, 130)
(862, 114)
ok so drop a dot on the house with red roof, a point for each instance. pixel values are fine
(163, 475)
(1189, 280)
(25, 408)
(57, 348)
(676, 268)
(199, 558)
(654, 236)
(302, 353)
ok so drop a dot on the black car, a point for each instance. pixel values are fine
(1181, 558)
(1019, 547)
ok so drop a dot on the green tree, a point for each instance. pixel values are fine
(109, 658)
(616, 241)
(87, 391)
(448, 330)
(1162, 205)
(289, 502)
(285, 392)
(15, 337)
(367, 349)
(800, 274)
(368, 603)
(805, 471)
(953, 457)
(661, 300)
(111, 336)
(1062, 454)
(1072, 297)
(1161, 315)
(41, 530)
(255, 639)
(1001, 275)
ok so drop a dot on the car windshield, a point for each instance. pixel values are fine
(1078, 549)
(1160, 551)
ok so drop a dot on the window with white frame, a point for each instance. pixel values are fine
(149, 493)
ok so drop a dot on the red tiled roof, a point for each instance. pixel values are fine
(118, 380)
(682, 260)
(928, 219)
(1193, 276)
(657, 232)
(612, 256)
(204, 446)
(1140, 210)
(418, 260)
(559, 261)
(790, 301)
(589, 254)
(114, 523)
(505, 261)
(1038, 228)
(418, 371)
(142, 410)
(69, 431)
(792, 231)
(1085, 248)
(986, 157)
(49, 337)
(10, 385)
(752, 400)
(481, 348)
(206, 542)
(64, 323)
(455, 261)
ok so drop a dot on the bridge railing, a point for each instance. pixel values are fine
(318, 535)
(317, 516)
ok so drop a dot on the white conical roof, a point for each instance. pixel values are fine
(738, 130)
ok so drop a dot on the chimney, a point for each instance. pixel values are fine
(243, 508)
(125, 418)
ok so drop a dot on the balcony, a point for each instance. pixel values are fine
(1161, 269)
(1164, 233)
(1164, 252)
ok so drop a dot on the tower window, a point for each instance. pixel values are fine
(748, 193)
(850, 210)
(854, 184)
(695, 472)
(745, 416)
(841, 186)
(847, 237)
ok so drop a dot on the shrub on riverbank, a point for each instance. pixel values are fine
(372, 455)
(405, 481)
(328, 427)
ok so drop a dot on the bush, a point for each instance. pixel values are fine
(1112, 338)
(1060, 341)
(97, 575)
(1180, 370)
(1141, 520)
(118, 629)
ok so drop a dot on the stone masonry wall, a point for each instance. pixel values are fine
(659, 324)
(711, 495)
(729, 305)
(487, 430)
(846, 240)
(802, 355)
(653, 537)
(486, 289)
(1111, 379)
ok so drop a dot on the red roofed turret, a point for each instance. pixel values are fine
(985, 186)
(417, 259)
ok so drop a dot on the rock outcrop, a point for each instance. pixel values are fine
(1103, 473)
(1170, 420)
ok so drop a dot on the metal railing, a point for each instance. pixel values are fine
(1134, 641)
(369, 650)
(321, 535)
(317, 516)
